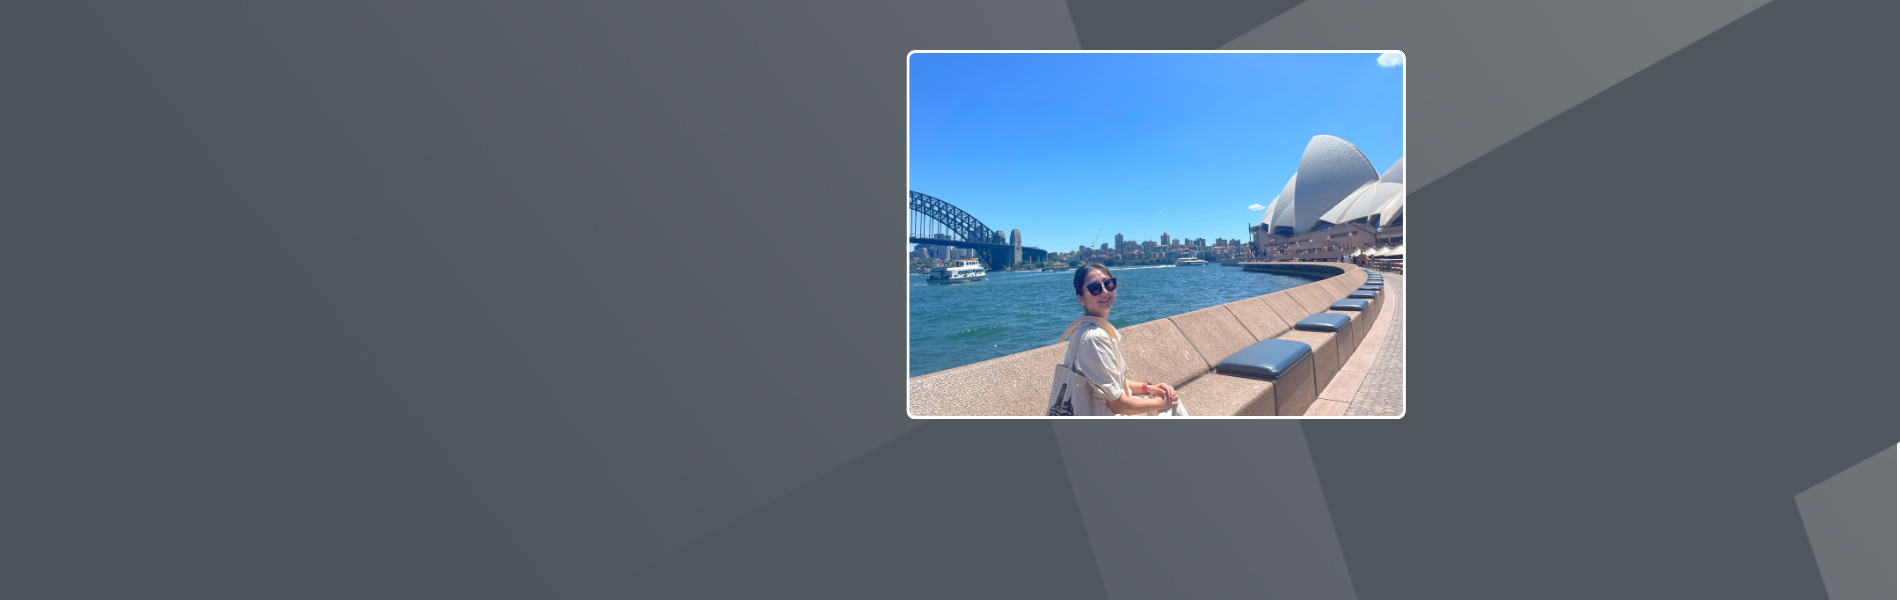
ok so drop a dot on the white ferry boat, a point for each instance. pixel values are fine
(967, 269)
(1188, 262)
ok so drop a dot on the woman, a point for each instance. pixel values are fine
(1095, 345)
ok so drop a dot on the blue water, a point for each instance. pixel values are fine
(952, 325)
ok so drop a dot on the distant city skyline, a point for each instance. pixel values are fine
(1073, 149)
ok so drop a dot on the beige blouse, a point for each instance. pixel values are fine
(1098, 357)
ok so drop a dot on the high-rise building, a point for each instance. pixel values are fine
(1164, 239)
(1118, 241)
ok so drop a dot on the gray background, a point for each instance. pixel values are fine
(400, 299)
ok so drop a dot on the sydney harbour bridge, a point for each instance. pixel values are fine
(938, 223)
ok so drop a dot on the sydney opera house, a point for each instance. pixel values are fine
(1336, 205)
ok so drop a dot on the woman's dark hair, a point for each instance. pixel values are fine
(1082, 274)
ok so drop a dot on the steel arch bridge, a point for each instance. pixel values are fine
(963, 224)
(936, 222)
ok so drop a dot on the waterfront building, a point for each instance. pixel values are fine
(1390, 199)
(940, 251)
(1331, 172)
(1336, 191)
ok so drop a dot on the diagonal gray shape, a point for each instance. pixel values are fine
(1850, 522)
(1491, 70)
(929, 515)
(1203, 509)
(1672, 471)
(1179, 25)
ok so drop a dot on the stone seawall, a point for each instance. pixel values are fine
(1180, 351)
(1306, 269)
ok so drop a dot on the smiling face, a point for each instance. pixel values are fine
(1096, 305)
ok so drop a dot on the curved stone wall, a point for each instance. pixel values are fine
(1181, 351)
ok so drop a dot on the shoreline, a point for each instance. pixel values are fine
(1182, 349)
(940, 345)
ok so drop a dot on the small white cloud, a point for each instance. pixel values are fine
(1391, 59)
(1256, 207)
(1157, 212)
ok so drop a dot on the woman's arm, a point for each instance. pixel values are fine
(1092, 362)
(1142, 388)
(1130, 405)
(1162, 397)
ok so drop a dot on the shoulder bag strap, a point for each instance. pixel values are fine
(1068, 357)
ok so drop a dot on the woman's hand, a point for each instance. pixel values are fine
(1162, 390)
(1165, 394)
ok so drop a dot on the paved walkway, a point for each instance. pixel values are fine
(1372, 382)
(1383, 390)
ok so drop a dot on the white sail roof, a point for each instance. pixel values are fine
(1331, 171)
(1357, 206)
(1278, 212)
(1389, 200)
(1394, 173)
(1393, 205)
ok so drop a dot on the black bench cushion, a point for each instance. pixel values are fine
(1265, 360)
(1363, 294)
(1350, 305)
(1329, 322)
(1372, 286)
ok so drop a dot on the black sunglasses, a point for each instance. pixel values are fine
(1095, 289)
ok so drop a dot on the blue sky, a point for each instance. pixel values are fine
(1059, 145)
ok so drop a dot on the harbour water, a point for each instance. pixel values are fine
(956, 324)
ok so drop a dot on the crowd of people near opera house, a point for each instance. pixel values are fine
(1281, 253)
